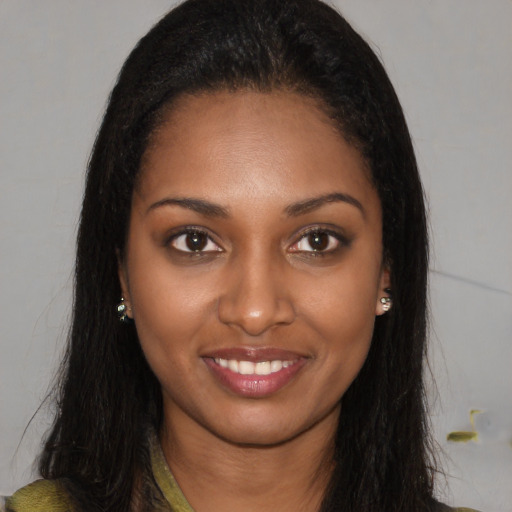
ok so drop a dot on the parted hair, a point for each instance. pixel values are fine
(107, 396)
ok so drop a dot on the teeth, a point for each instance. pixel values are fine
(250, 368)
(263, 368)
(246, 368)
(275, 366)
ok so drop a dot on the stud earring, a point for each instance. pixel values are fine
(386, 303)
(122, 311)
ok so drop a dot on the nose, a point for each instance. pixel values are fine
(254, 297)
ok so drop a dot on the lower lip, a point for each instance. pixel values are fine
(254, 386)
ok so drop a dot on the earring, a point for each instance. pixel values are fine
(122, 311)
(386, 303)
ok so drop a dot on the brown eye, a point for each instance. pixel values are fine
(194, 241)
(318, 241)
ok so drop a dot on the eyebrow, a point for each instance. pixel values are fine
(303, 207)
(201, 206)
(209, 209)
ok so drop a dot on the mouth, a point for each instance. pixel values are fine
(254, 373)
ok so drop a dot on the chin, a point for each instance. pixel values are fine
(269, 430)
(265, 436)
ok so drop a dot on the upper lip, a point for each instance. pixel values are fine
(254, 354)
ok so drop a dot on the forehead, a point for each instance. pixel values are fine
(251, 145)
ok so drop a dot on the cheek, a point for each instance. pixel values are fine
(168, 314)
(169, 306)
(341, 309)
(343, 302)
(345, 322)
(168, 321)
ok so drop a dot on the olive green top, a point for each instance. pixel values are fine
(166, 481)
(49, 495)
(39, 496)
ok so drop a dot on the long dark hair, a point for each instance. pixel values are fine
(108, 395)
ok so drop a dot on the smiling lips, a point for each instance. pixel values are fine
(254, 373)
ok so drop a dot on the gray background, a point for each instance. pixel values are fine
(451, 63)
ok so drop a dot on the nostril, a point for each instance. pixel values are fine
(254, 319)
(254, 295)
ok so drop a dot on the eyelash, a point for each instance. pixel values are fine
(174, 240)
(339, 239)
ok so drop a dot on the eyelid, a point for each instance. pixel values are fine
(342, 239)
(176, 233)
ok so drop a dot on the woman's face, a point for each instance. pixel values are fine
(253, 265)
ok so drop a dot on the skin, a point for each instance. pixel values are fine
(257, 282)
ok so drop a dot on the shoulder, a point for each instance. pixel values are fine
(39, 496)
(441, 507)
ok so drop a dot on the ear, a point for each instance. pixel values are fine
(123, 281)
(384, 299)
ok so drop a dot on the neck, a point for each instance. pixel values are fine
(216, 475)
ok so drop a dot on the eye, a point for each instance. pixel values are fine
(319, 241)
(194, 241)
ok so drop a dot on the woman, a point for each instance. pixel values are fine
(253, 207)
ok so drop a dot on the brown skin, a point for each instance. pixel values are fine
(257, 282)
